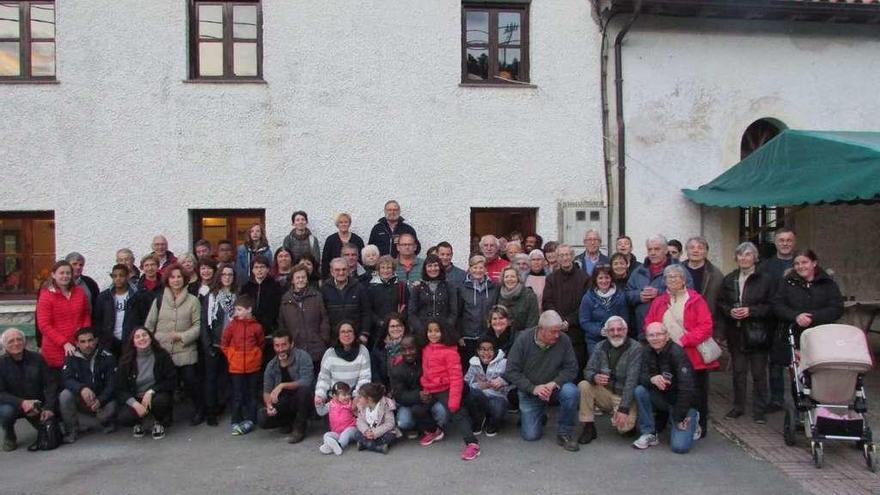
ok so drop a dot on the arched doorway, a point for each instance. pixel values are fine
(757, 223)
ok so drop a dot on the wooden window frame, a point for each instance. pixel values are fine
(27, 251)
(197, 215)
(228, 42)
(494, 8)
(25, 40)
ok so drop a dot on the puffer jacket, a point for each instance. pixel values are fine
(183, 316)
(753, 333)
(59, 318)
(425, 304)
(97, 374)
(595, 311)
(522, 308)
(697, 323)
(441, 372)
(306, 321)
(682, 395)
(495, 369)
(242, 344)
(821, 298)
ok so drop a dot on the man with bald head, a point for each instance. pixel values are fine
(490, 248)
(25, 388)
(160, 249)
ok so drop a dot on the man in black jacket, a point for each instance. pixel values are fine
(413, 407)
(346, 299)
(666, 384)
(115, 314)
(389, 228)
(25, 388)
(88, 385)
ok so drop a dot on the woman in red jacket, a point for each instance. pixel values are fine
(688, 319)
(442, 382)
(62, 309)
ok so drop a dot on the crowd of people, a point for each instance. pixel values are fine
(388, 344)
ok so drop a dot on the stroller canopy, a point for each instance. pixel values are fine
(835, 346)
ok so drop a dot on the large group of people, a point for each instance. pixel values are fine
(388, 344)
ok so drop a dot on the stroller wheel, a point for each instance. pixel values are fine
(870, 453)
(818, 454)
(788, 427)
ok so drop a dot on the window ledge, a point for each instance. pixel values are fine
(225, 81)
(498, 85)
(29, 81)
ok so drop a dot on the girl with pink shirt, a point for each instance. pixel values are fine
(343, 423)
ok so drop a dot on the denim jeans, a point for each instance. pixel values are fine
(10, 414)
(374, 444)
(407, 421)
(483, 405)
(531, 411)
(343, 438)
(680, 441)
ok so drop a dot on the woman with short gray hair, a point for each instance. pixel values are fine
(746, 311)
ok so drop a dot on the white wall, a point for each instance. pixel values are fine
(693, 86)
(362, 104)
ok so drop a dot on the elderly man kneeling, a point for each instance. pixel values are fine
(612, 375)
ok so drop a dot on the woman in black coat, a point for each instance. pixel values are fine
(386, 295)
(745, 306)
(141, 391)
(432, 297)
(807, 296)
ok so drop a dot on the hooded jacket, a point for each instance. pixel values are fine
(426, 304)
(697, 323)
(821, 298)
(474, 302)
(441, 372)
(59, 318)
(97, 374)
(495, 369)
(242, 344)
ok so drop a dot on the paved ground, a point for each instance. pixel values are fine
(206, 460)
(844, 470)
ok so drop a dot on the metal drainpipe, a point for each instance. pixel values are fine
(621, 127)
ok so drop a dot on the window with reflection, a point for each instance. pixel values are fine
(27, 40)
(27, 252)
(226, 40)
(494, 42)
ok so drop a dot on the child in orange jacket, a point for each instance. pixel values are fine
(242, 343)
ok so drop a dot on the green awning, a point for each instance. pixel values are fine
(800, 167)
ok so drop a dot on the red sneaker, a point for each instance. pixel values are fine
(470, 452)
(431, 436)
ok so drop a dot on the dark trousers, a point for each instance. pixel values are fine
(9, 414)
(244, 396)
(743, 363)
(160, 409)
(216, 381)
(376, 443)
(701, 381)
(190, 375)
(294, 408)
(460, 420)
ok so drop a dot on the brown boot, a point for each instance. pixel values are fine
(588, 434)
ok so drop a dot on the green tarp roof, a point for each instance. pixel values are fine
(800, 167)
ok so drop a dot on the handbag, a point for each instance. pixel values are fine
(48, 435)
(709, 350)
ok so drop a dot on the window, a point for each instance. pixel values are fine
(226, 40)
(27, 40)
(495, 42)
(27, 251)
(500, 222)
(216, 225)
(758, 223)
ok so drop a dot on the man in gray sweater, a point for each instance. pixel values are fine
(542, 366)
(612, 374)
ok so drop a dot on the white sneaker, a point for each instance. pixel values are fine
(325, 449)
(334, 446)
(698, 431)
(645, 441)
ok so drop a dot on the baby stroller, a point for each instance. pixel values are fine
(828, 389)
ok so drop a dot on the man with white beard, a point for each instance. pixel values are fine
(612, 375)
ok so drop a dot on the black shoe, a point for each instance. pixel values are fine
(543, 420)
(211, 420)
(734, 413)
(297, 435)
(568, 443)
(773, 407)
(361, 446)
(491, 429)
(588, 434)
(285, 429)
(34, 447)
(197, 419)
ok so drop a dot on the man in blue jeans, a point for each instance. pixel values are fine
(542, 366)
(666, 384)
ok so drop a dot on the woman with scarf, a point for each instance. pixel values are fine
(432, 297)
(386, 295)
(217, 310)
(386, 352)
(347, 361)
(604, 300)
(255, 245)
(300, 239)
(520, 301)
(303, 316)
(476, 295)
(536, 278)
